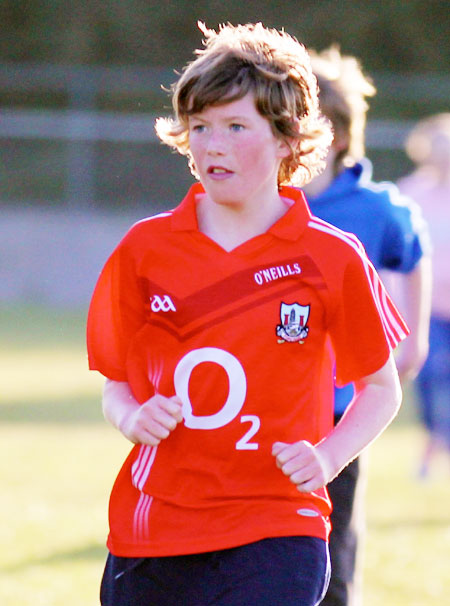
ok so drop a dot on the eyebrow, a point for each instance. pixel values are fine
(236, 117)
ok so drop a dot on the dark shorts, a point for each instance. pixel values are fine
(433, 382)
(344, 536)
(283, 571)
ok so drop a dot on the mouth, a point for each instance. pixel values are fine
(219, 171)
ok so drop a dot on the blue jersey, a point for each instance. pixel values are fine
(389, 225)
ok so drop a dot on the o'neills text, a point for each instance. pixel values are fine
(275, 273)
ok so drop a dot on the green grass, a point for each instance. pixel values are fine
(408, 524)
(58, 460)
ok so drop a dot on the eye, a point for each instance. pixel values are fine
(236, 128)
(198, 128)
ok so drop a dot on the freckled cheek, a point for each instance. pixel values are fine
(197, 151)
(256, 157)
(249, 152)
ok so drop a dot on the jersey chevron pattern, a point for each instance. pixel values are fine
(393, 326)
(233, 296)
(248, 339)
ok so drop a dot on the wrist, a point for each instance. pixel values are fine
(326, 461)
(126, 424)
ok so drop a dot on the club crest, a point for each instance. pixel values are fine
(293, 327)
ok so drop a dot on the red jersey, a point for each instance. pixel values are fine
(249, 340)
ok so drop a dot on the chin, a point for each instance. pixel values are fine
(223, 197)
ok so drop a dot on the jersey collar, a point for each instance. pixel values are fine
(345, 183)
(293, 223)
(289, 227)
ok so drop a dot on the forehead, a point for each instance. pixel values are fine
(239, 108)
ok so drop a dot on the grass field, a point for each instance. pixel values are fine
(59, 459)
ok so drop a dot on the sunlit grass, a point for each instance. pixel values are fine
(58, 460)
(56, 481)
(46, 373)
(407, 550)
(44, 369)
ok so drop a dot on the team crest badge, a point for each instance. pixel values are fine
(294, 319)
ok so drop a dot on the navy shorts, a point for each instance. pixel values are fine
(282, 571)
(434, 382)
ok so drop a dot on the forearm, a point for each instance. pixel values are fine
(376, 403)
(417, 297)
(374, 407)
(146, 423)
(118, 403)
(412, 294)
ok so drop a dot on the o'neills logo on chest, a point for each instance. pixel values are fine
(275, 273)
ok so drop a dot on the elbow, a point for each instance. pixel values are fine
(398, 399)
(393, 384)
(396, 395)
(111, 399)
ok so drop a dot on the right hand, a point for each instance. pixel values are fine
(153, 421)
(304, 464)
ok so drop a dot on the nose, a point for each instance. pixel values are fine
(216, 143)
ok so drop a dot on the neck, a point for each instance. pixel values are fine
(439, 175)
(320, 183)
(232, 225)
(443, 176)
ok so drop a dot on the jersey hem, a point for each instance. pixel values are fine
(156, 549)
(371, 366)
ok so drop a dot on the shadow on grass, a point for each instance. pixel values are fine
(26, 326)
(61, 410)
(89, 552)
(411, 523)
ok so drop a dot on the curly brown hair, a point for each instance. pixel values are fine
(273, 66)
(343, 91)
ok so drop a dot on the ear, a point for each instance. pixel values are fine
(286, 147)
(341, 141)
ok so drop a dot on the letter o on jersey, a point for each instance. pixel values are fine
(236, 394)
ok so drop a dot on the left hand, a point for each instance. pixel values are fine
(302, 462)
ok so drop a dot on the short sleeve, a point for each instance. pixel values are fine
(366, 325)
(405, 238)
(116, 314)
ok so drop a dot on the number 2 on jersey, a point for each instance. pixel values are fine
(244, 443)
(234, 402)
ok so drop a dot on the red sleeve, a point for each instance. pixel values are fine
(366, 325)
(116, 314)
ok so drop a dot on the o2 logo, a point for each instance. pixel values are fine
(234, 402)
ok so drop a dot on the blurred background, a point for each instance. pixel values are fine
(81, 83)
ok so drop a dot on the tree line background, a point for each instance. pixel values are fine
(407, 38)
(397, 35)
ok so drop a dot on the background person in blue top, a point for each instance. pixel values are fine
(395, 237)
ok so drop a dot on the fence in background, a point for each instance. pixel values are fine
(81, 126)
(73, 156)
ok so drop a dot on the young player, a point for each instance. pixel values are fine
(428, 146)
(218, 326)
(393, 234)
